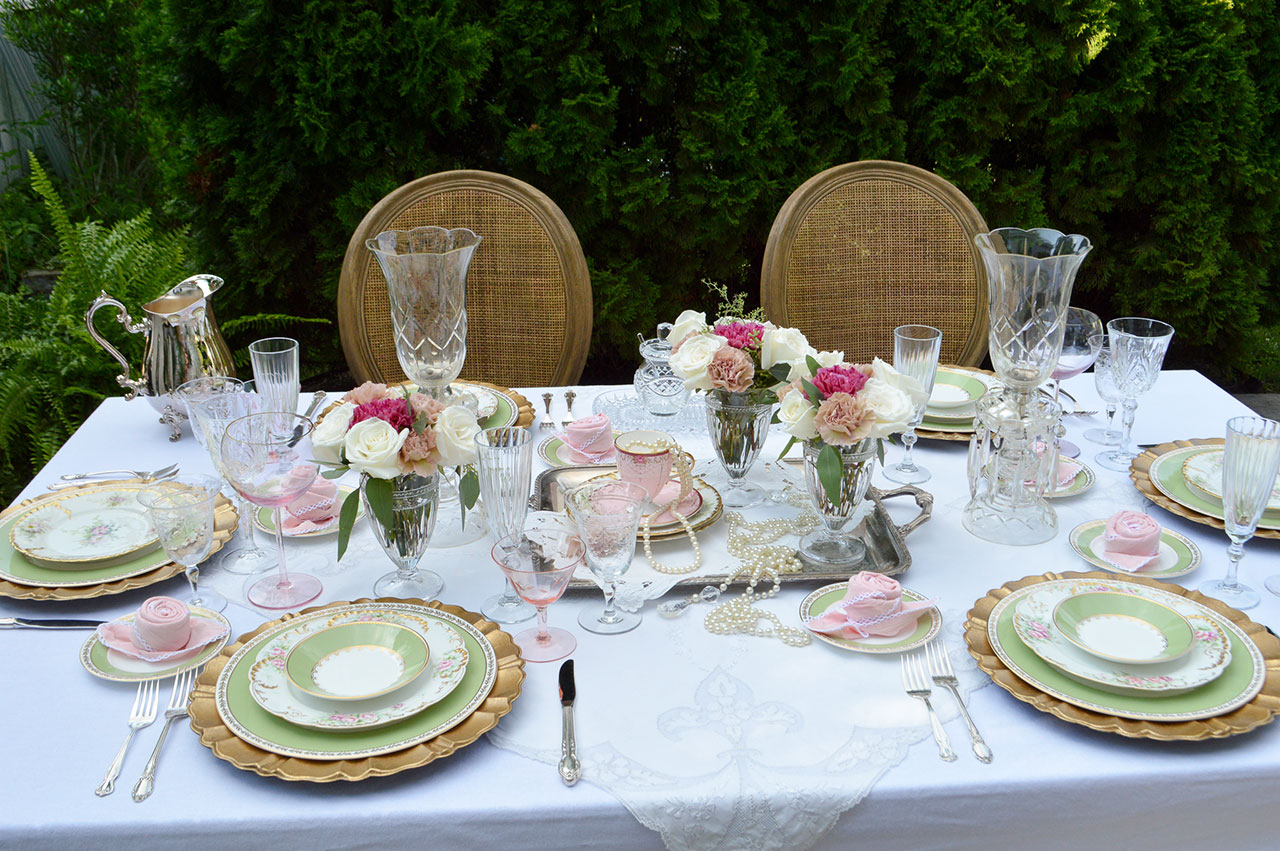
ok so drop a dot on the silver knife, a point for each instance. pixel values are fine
(570, 768)
(46, 623)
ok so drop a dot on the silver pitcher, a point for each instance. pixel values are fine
(183, 343)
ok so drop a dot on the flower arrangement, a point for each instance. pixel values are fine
(384, 432)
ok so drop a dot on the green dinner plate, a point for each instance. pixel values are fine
(1241, 681)
(966, 381)
(828, 595)
(249, 721)
(15, 568)
(506, 414)
(1166, 475)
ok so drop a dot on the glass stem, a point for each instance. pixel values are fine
(509, 595)
(246, 522)
(610, 614)
(1111, 418)
(278, 520)
(544, 637)
(193, 576)
(1235, 552)
(1130, 406)
(908, 441)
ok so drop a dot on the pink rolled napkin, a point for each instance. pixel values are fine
(314, 510)
(1066, 471)
(873, 605)
(163, 629)
(1131, 540)
(588, 440)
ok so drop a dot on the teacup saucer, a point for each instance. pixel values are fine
(687, 507)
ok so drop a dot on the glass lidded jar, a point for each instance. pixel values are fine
(661, 392)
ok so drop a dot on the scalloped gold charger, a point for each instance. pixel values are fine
(1140, 473)
(1261, 709)
(496, 701)
(23, 581)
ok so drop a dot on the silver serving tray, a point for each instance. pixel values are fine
(887, 551)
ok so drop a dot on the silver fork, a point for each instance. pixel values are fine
(156, 474)
(547, 421)
(917, 685)
(145, 704)
(1079, 413)
(945, 675)
(177, 709)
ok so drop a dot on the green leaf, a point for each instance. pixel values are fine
(335, 473)
(880, 451)
(814, 395)
(775, 419)
(781, 372)
(814, 366)
(420, 423)
(347, 519)
(378, 492)
(790, 443)
(830, 471)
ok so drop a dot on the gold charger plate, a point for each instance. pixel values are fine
(227, 746)
(1261, 710)
(225, 522)
(1140, 473)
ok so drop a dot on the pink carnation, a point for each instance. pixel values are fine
(730, 369)
(741, 335)
(839, 379)
(367, 392)
(419, 452)
(424, 404)
(843, 419)
(394, 411)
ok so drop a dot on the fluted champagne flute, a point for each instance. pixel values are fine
(276, 372)
(505, 467)
(1250, 461)
(1138, 347)
(915, 355)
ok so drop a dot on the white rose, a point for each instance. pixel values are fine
(905, 383)
(456, 431)
(893, 408)
(327, 438)
(800, 366)
(373, 447)
(688, 322)
(784, 345)
(796, 414)
(690, 362)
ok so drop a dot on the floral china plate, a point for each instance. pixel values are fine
(264, 518)
(269, 682)
(1178, 555)
(1203, 472)
(84, 530)
(928, 625)
(1167, 475)
(954, 393)
(1209, 656)
(102, 661)
(550, 449)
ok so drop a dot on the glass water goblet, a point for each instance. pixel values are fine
(607, 513)
(210, 418)
(182, 512)
(505, 467)
(267, 458)
(540, 560)
(915, 355)
(1104, 382)
(1081, 341)
(1138, 347)
(200, 389)
(275, 371)
(1249, 465)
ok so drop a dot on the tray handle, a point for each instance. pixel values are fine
(924, 500)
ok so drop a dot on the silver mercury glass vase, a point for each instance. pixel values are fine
(834, 543)
(414, 507)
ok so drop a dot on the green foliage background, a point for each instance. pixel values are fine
(671, 131)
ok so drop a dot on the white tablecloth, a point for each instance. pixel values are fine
(1051, 784)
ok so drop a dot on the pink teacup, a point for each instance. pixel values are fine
(645, 457)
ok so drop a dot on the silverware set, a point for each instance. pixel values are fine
(933, 664)
(72, 479)
(146, 705)
(549, 421)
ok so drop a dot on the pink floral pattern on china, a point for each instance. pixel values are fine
(269, 686)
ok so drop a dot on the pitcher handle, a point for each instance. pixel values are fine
(131, 388)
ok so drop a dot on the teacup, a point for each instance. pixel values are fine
(646, 457)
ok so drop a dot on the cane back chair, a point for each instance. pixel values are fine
(864, 247)
(528, 290)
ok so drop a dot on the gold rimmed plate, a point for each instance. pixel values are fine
(77, 531)
(1158, 471)
(926, 627)
(1178, 555)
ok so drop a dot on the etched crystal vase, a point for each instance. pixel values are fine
(414, 508)
(834, 544)
(426, 272)
(738, 428)
(1014, 450)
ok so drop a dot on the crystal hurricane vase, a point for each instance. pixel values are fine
(738, 429)
(426, 273)
(413, 519)
(834, 544)
(1014, 449)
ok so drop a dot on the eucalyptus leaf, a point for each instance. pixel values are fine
(347, 519)
(814, 366)
(468, 491)
(379, 494)
(830, 472)
(335, 473)
(880, 451)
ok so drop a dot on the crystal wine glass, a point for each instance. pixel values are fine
(210, 418)
(505, 467)
(608, 512)
(275, 370)
(267, 458)
(182, 511)
(1081, 342)
(540, 560)
(1138, 347)
(1249, 465)
(915, 355)
(200, 389)
(1104, 381)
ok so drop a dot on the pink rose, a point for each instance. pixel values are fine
(424, 404)
(843, 420)
(730, 369)
(741, 335)
(367, 392)
(419, 452)
(394, 411)
(840, 378)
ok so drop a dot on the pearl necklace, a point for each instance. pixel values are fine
(683, 469)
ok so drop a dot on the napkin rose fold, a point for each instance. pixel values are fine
(316, 509)
(872, 605)
(1131, 540)
(588, 440)
(163, 629)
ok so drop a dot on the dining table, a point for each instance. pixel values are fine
(689, 738)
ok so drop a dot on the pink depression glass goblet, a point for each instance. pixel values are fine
(267, 458)
(540, 560)
(1081, 341)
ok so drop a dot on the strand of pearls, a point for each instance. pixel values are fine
(683, 470)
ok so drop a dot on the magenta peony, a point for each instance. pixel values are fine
(839, 379)
(730, 369)
(395, 411)
(843, 419)
(741, 335)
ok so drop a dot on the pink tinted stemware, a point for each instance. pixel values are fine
(267, 458)
(540, 560)
(1081, 342)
